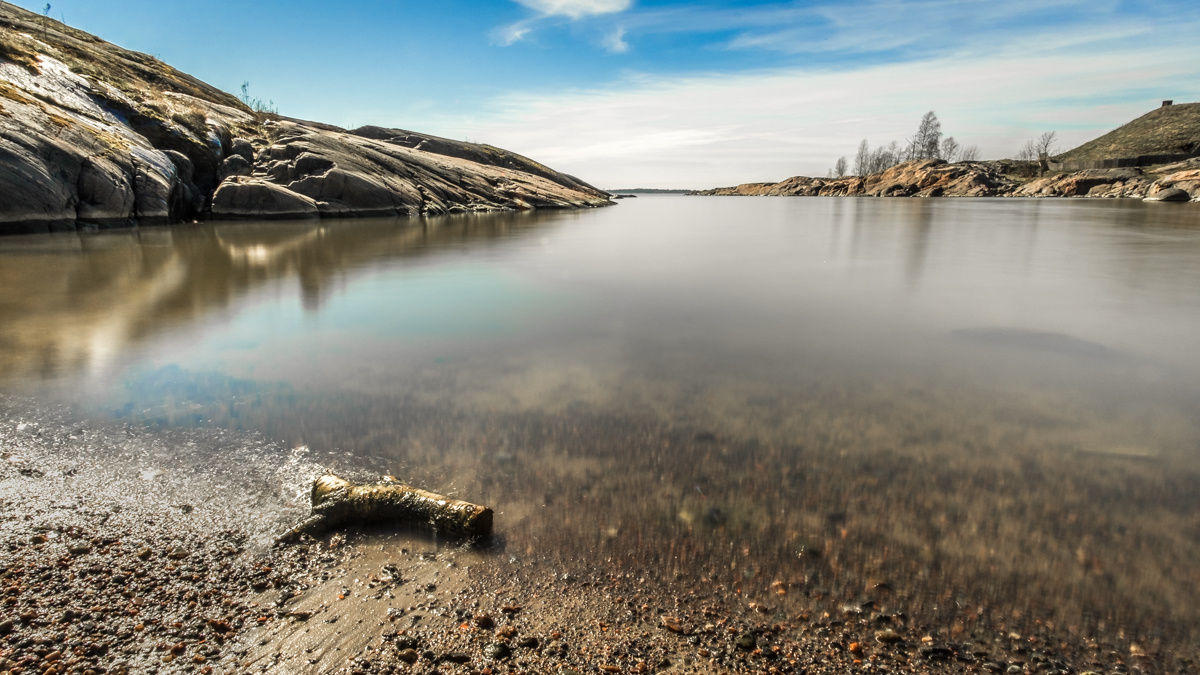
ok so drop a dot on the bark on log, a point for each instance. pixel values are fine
(339, 503)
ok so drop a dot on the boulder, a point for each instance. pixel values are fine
(249, 197)
(104, 192)
(235, 165)
(243, 148)
(154, 182)
(1169, 195)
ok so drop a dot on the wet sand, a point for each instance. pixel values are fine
(120, 551)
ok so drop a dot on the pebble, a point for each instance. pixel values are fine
(498, 651)
(887, 636)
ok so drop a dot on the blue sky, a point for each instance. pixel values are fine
(681, 94)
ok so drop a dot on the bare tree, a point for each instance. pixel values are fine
(949, 150)
(884, 158)
(839, 167)
(1045, 143)
(862, 160)
(1028, 152)
(926, 143)
(1038, 148)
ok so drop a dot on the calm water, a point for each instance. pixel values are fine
(993, 405)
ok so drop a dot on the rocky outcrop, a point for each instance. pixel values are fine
(94, 134)
(935, 178)
(925, 178)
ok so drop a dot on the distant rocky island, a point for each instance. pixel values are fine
(93, 134)
(1155, 157)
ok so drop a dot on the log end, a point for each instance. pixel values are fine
(325, 486)
(479, 524)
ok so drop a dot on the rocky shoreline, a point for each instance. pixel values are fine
(1177, 182)
(95, 135)
(144, 558)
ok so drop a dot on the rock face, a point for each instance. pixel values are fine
(924, 178)
(935, 178)
(94, 134)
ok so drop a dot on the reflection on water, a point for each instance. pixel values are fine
(990, 405)
(78, 302)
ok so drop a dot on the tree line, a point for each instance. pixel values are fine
(927, 143)
(930, 143)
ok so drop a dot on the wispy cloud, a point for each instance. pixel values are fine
(615, 41)
(576, 9)
(836, 29)
(996, 73)
(512, 33)
(546, 11)
(720, 128)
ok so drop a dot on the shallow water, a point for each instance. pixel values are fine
(993, 402)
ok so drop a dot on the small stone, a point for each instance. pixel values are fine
(407, 642)
(144, 553)
(177, 553)
(747, 641)
(79, 549)
(935, 652)
(498, 651)
(408, 655)
(671, 623)
(6, 626)
(887, 636)
(455, 657)
(484, 621)
(528, 643)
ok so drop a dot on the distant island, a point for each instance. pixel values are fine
(652, 191)
(1156, 157)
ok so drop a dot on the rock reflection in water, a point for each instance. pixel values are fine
(79, 302)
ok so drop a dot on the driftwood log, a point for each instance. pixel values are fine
(338, 503)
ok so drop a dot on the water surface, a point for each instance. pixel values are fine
(990, 405)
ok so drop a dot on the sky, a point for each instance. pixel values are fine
(658, 93)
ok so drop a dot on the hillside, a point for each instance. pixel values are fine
(91, 133)
(1169, 130)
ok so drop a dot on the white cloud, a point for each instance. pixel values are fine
(615, 42)
(721, 129)
(511, 34)
(576, 9)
